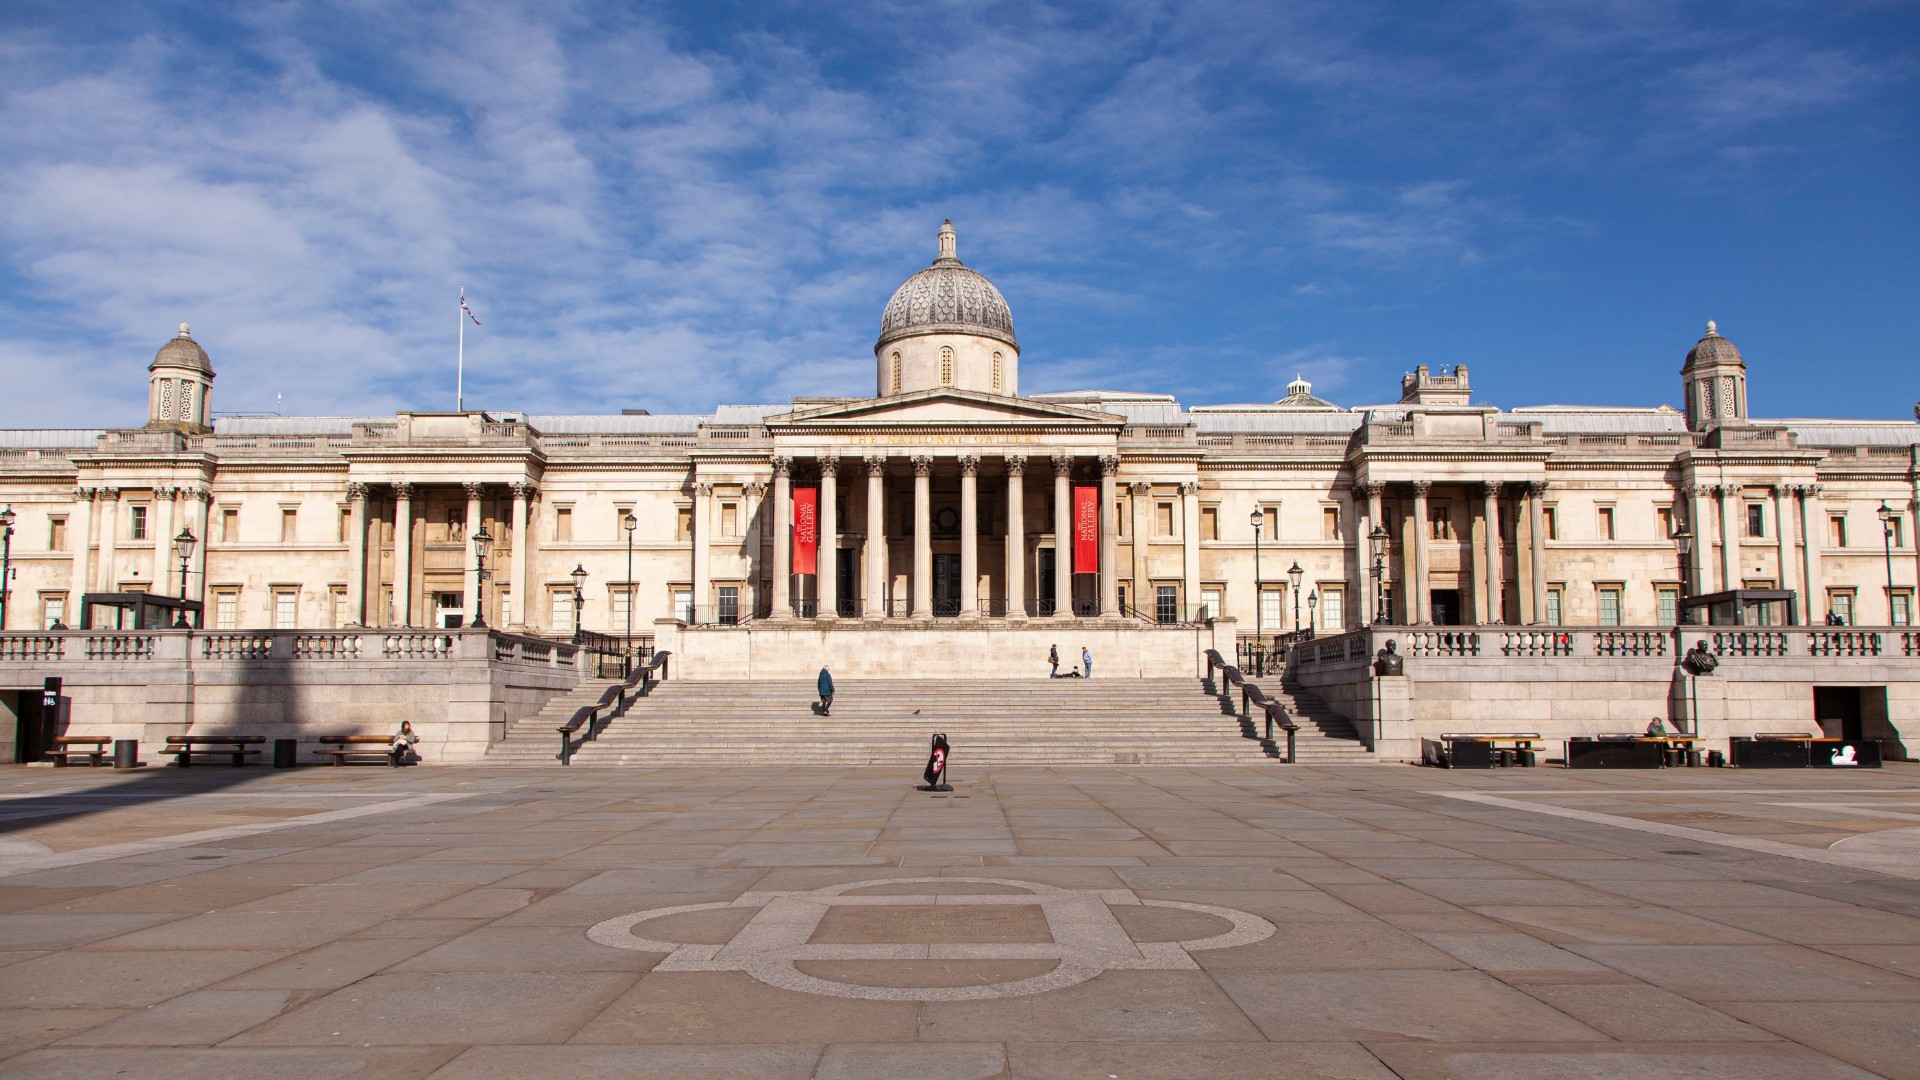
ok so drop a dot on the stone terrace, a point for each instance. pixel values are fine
(1123, 922)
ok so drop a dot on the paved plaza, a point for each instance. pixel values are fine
(1113, 923)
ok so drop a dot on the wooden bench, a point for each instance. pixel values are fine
(185, 747)
(68, 747)
(1484, 750)
(344, 748)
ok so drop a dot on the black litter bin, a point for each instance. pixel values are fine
(126, 753)
(285, 753)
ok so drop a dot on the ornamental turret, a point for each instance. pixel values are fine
(179, 384)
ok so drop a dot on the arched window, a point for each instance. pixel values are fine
(166, 399)
(946, 365)
(896, 373)
(999, 377)
(186, 399)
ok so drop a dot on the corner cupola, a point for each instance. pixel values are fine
(179, 382)
(947, 327)
(1716, 382)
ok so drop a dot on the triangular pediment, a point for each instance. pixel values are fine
(943, 407)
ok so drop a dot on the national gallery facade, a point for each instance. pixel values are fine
(948, 499)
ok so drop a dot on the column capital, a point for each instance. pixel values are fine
(1063, 465)
(357, 491)
(1536, 488)
(475, 489)
(1190, 487)
(83, 494)
(1109, 464)
(1725, 490)
(922, 465)
(106, 492)
(1369, 490)
(1700, 491)
(1016, 465)
(524, 490)
(1421, 488)
(782, 466)
(969, 465)
(196, 491)
(829, 467)
(753, 488)
(403, 490)
(1490, 489)
(1812, 491)
(1780, 491)
(703, 489)
(1139, 487)
(876, 464)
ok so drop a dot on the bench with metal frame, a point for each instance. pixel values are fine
(344, 748)
(1469, 745)
(68, 747)
(185, 748)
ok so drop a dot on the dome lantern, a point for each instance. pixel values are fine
(179, 382)
(947, 326)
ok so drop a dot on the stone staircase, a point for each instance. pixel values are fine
(890, 721)
(533, 740)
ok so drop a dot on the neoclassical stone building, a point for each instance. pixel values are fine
(948, 501)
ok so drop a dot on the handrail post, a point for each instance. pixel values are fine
(566, 749)
(1291, 731)
(1245, 709)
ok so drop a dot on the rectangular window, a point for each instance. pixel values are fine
(1551, 515)
(1166, 603)
(1840, 603)
(1902, 608)
(1270, 611)
(57, 534)
(1123, 597)
(137, 522)
(1333, 608)
(1210, 601)
(1664, 514)
(286, 609)
(53, 610)
(1897, 532)
(1163, 519)
(1329, 523)
(226, 609)
(1756, 520)
(729, 604)
(683, 524)
(560, 611)
(1837, 530)
(1667, 600)
(563, 524)
(289, 524)
(505, 602)
(229, 524)
(683, 604)
(346, 524)
(1209, 523)
(1606, 529)
(1270, 522)
(729, 519)
(1610, 606)
(1120, 517)
(619, 603)
(338, 594)
(1556, 611)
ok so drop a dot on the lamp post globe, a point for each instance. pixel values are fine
(1294, 576)
(579, 577)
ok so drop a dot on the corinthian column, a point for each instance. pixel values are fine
(1783, 537)
(1729, 537)
(969, 536)
(922, 538)
(1813, 531)
(1421, 602)
(474, 525)
(703, 554)
(1062, 535)
(80, 535)
(782, 538)
(403, 554)
(827, 550)
(357, 553)
(1109, 537)
(1537, 539)
(109, 536)
(1016, 538)
(873, 605)
(522, 557)
(1190, 546)
(1491, 611)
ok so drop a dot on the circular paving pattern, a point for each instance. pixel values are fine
(1086, 937)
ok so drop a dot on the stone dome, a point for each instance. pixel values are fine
(183, 352)
(1713, 349)
(947, 298)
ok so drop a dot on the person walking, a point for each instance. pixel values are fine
(826, 691)
(1053, 660)
(1086, 660)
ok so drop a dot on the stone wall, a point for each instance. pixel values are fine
(460, 688)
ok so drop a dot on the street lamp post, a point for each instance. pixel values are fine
(6, 562)
(1294, 576)
(1259, 599)
(626, 645)
(1888, 515)
(184, 544)
(1378, 540)
(482, 543)
(579, 577)
(1682, 546)
(1313, 611)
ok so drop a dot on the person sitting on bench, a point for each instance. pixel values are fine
(403, 743)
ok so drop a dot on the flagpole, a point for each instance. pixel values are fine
(460, 355)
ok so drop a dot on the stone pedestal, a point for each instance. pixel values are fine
(1394, 735)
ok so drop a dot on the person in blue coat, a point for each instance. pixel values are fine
(826, 691)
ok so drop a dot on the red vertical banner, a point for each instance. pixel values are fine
(1086, 529)
(806, 529)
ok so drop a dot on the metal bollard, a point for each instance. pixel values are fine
(126, 753)
(286, 753)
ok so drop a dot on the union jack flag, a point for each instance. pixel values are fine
(468, 310)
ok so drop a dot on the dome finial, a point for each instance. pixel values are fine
(184, 332)
(948, 241)
(1713, 328)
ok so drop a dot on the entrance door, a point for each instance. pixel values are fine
(843, 562)
(33, 728)
(1043, 583)
(1837, 708)
(946, 585)
(1446, 607)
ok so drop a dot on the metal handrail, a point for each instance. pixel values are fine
(1250, 697)
(589, 715)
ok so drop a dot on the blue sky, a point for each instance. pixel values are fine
(673, 206)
